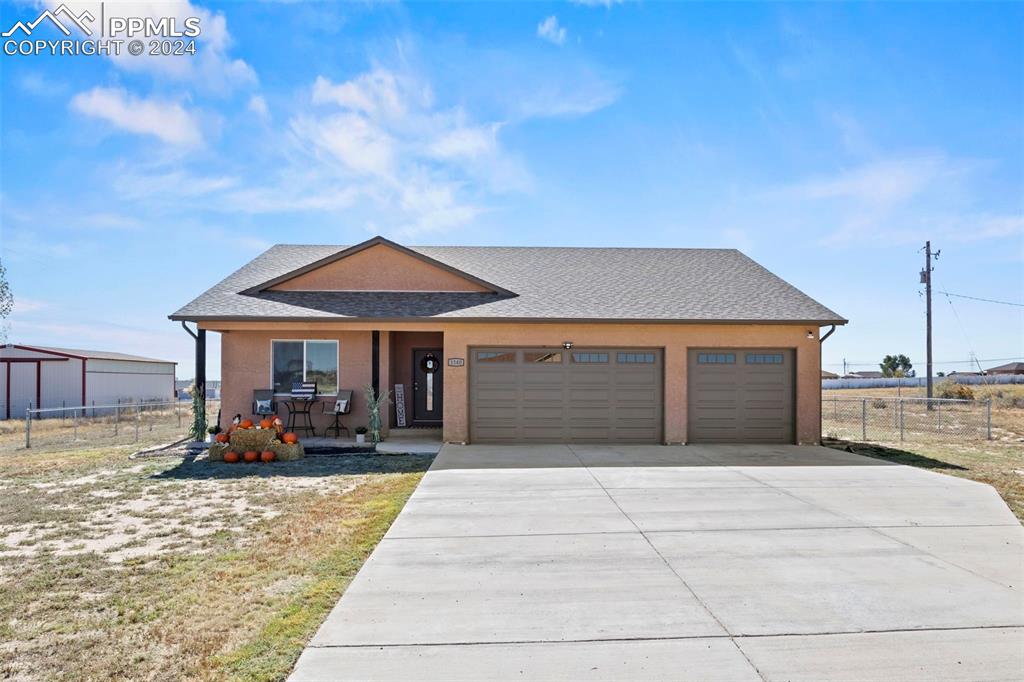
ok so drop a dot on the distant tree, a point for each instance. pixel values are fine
(896, 366)
(941, 374)
(6, 303)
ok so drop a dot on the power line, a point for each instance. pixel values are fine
(986, 300)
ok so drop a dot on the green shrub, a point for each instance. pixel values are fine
(951, 389)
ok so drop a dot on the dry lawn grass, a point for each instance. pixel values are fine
(164, 569)
(999, 462)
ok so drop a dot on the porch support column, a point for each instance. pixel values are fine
(200, 337)
(375, 362)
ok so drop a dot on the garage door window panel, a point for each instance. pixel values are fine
(543, 357)
(489, 356)
(590, 358)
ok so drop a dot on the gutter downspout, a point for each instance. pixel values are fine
(821, 407)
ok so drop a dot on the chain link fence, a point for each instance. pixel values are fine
(905, 419)
(92, 426)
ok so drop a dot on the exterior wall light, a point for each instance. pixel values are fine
(567, 345)
(810, 334)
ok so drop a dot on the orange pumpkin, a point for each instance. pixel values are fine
(268, 456)
(223, 438)
(245, 424)
(290, 438)
(250, 456)
(230, 456)
(266, 423)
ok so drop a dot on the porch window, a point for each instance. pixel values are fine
(295, 361)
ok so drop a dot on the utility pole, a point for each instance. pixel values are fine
(926, 279)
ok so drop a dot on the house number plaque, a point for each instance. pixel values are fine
(456, 362)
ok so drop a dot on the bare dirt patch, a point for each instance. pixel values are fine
(164, 568)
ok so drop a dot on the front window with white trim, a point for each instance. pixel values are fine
(311, 360)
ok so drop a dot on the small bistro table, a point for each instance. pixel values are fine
(299, 414)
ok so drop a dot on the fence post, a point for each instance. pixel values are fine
(864, 419)
(177, 411)
(75, 421)
(117, 416)
(901, 420)
(28, 429)
(63, 414)
(138, 416)
(988, 418)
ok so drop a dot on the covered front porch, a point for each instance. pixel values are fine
(409, 364)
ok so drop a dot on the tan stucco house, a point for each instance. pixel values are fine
(523, 344)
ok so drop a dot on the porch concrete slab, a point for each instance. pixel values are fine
(681, 659)
(652, 477)
(982, 655)
(952, 505)
(720, 508)
(409, 447)
(511, 513)
(514, 589)
(994, 552)
(831, 580)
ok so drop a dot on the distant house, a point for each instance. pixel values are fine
(825, 374)
(37, 376)
(864, 375)
(1008, 368)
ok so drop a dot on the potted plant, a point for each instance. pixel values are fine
(211, 432)
(361, 434)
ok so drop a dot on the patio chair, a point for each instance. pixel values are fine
(342, 405)
(263, 403)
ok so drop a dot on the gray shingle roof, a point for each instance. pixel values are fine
(564, 283)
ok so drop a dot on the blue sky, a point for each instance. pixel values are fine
(826, 141)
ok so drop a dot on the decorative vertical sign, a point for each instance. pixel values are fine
(400, 405)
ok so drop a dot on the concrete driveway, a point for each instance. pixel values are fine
(695, 562)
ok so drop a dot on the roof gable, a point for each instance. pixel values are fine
(378, 265)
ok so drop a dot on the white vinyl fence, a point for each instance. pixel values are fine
(910, 382)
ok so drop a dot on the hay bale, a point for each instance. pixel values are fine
(287, 453)
(216, 452)
(252, 439)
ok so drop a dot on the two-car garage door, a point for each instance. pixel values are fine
(547, 395)
(588, 395)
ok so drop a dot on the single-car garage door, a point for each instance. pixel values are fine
(552, 395)
(740, 395)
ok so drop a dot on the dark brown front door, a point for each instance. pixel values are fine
(427, 387)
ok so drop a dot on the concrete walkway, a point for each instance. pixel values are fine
(688, 563)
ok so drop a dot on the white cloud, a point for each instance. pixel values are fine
(211, 69)
(550, 31)
(166, 120)
(382, 142)
(258, 106)
(896, 200)
(358, 143)
(466, 142)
